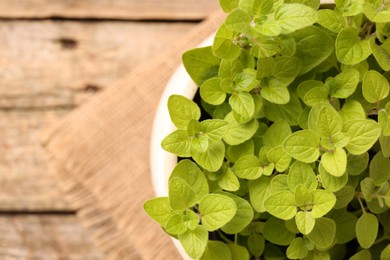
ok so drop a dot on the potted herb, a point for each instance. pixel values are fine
(285, 151)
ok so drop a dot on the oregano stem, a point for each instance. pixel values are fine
(361, 203)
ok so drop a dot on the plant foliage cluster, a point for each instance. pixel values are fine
(293, 160)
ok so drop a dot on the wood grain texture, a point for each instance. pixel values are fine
(48, 63)
(33, 237)
(111, 9)
(26, 182)
(46, 70)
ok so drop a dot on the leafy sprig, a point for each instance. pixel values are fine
(294, 158)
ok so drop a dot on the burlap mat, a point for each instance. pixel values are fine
(101, 155)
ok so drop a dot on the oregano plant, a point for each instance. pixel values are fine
(285, 154)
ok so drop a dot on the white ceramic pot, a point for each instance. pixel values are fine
(162, 162)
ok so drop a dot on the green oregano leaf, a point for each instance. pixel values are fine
(335, 162)
(212, 158)
(323, 202)
(312, 92)
(330, 182)
(176, 225)
(181, 195)
(200, 64)
(223, 46)
(242, 217)
(216, 250)
(194, 241)
(367, 230)
(259, 191)
(178, 142)
(303, 145)
(228, 5)
(281, 205)
(159, 209)
(350, 49)
(216, 210)
(189, 172)
(277, 133)
(275, 231)
(356, 164)
(248, 167)
(214, 129)
(344, 84)
(331, 20)
(301, 174)
(305, 222)
(211, 91)
(297, 249)
(243, 104)
(363, 134)
(323, 233)
(229, 181)
(182, 111)
(375, 86)
(238, 252)
(292, 17)
(239, 133)
(379, 169)
(256, 244)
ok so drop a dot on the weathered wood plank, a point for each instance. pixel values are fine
(26, 182)
(51, 64)
(111, 9)
(45, 237)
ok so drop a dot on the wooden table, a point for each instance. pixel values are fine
(54, 56)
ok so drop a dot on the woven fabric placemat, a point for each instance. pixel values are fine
(101, 156)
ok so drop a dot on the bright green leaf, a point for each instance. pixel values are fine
(335, 162)
(276, 133)
(176, 225)
(303, 145)
(193, 176)
(344, 84)
(181, 195)
(375, 86)
(242, 218)
(229, 181)
(367, 230)
(216, 211)
(323, 233)
(212, 158)
(211, 91)
(243, 104)
(259, 191)
(200, 64)
(178, 142)
(281, 205)
(239, 133)
(305, 222)
(363, 134)
(238, 252)
(301, 173)
(214, 129)
(350, 49)
(297, 249)
(216, 250)
(323, 202)
(194, 241)
(159, 209)
(223, 46)
(256, 244)
(379, 169)
(275, 231)
(248, 167)
(330, 182)
(292, 17)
